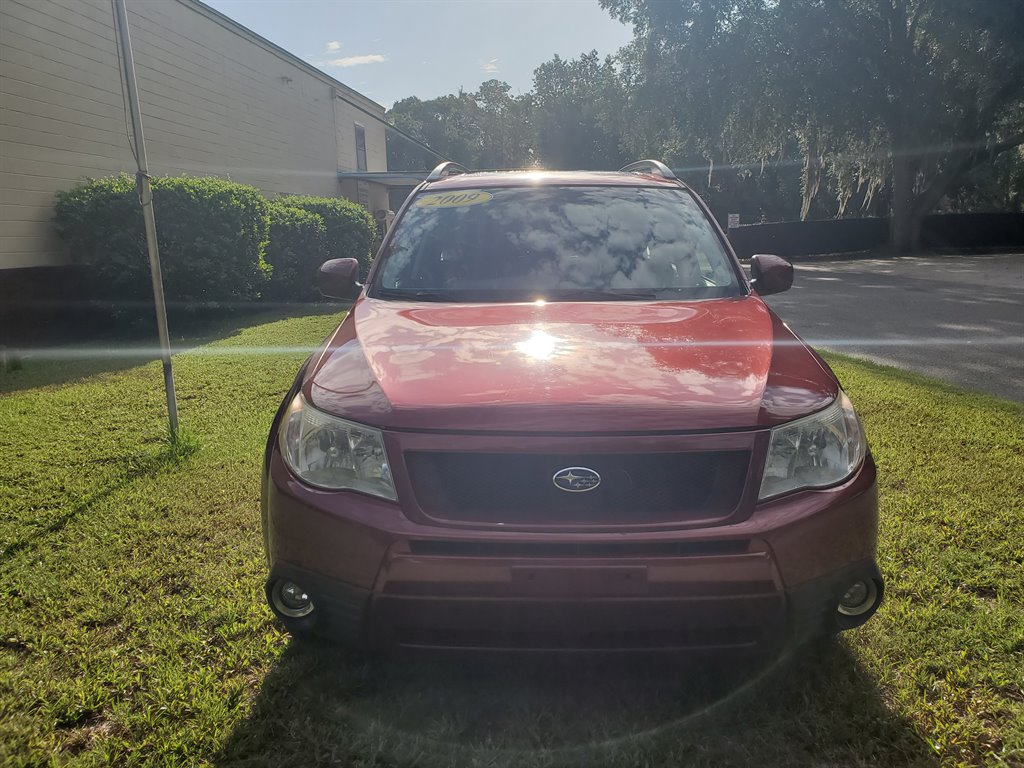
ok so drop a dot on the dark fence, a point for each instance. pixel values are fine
(802, 238)
(959, 231)
(972, 231)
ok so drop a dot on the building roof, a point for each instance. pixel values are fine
(228, 23)
(392, 178)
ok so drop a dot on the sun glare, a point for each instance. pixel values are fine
(540, 345)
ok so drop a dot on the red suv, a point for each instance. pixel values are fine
(559, 416)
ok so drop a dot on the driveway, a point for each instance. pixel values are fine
(959, 319)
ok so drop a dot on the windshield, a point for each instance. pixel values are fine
(556, 243)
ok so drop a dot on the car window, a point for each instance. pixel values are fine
(556, 242)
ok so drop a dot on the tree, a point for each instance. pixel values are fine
(445, 123)
(904, 97)
(506, 126)
(577, 109)
(486, 129)
(998, 186)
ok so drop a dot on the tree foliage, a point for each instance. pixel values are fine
(815, 108)
(576, 113)
(489, 128)
(903, 97)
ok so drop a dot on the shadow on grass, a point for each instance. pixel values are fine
(54, 364)
(323, 706)
(171, 452)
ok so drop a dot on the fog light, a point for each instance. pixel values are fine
(859, 598)
(291, 600)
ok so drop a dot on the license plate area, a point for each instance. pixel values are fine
(561, 581)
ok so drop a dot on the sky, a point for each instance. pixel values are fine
(390, 49)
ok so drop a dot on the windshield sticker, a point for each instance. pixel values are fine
(454, 199)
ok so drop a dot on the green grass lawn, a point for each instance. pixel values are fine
(133, 629)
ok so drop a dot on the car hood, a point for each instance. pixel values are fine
(568, 367)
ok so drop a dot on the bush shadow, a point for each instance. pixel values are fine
(321, 705)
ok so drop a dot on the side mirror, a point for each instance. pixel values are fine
(770, 274)
(337, 279)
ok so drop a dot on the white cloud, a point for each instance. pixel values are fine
(333, 47)
(354, 61)
(490, 66)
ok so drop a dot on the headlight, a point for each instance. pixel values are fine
(816, 451)
(329, 452)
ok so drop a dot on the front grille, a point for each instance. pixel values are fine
(634, 488)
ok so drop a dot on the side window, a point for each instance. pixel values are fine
(360, 147)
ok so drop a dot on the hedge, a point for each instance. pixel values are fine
(211, 232)
(297, 248)
(350, 227)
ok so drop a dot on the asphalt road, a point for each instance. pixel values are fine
(959, 319)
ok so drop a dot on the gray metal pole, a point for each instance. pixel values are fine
(146, 199)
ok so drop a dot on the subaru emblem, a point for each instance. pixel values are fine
(576, 479)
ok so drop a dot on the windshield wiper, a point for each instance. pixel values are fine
(588, 294)
(415, 294)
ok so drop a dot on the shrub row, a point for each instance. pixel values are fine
(297, 248)
(221, 243)
(211, 232)
(350, 227)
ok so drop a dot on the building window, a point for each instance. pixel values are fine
(360, 148)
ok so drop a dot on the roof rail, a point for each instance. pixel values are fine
(446, 168)
(652, 166)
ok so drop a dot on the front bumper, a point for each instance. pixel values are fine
(761, 622)
(380, 580)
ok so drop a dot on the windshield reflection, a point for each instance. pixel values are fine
(554, 242)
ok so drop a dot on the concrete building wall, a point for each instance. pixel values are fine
(216, 99)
